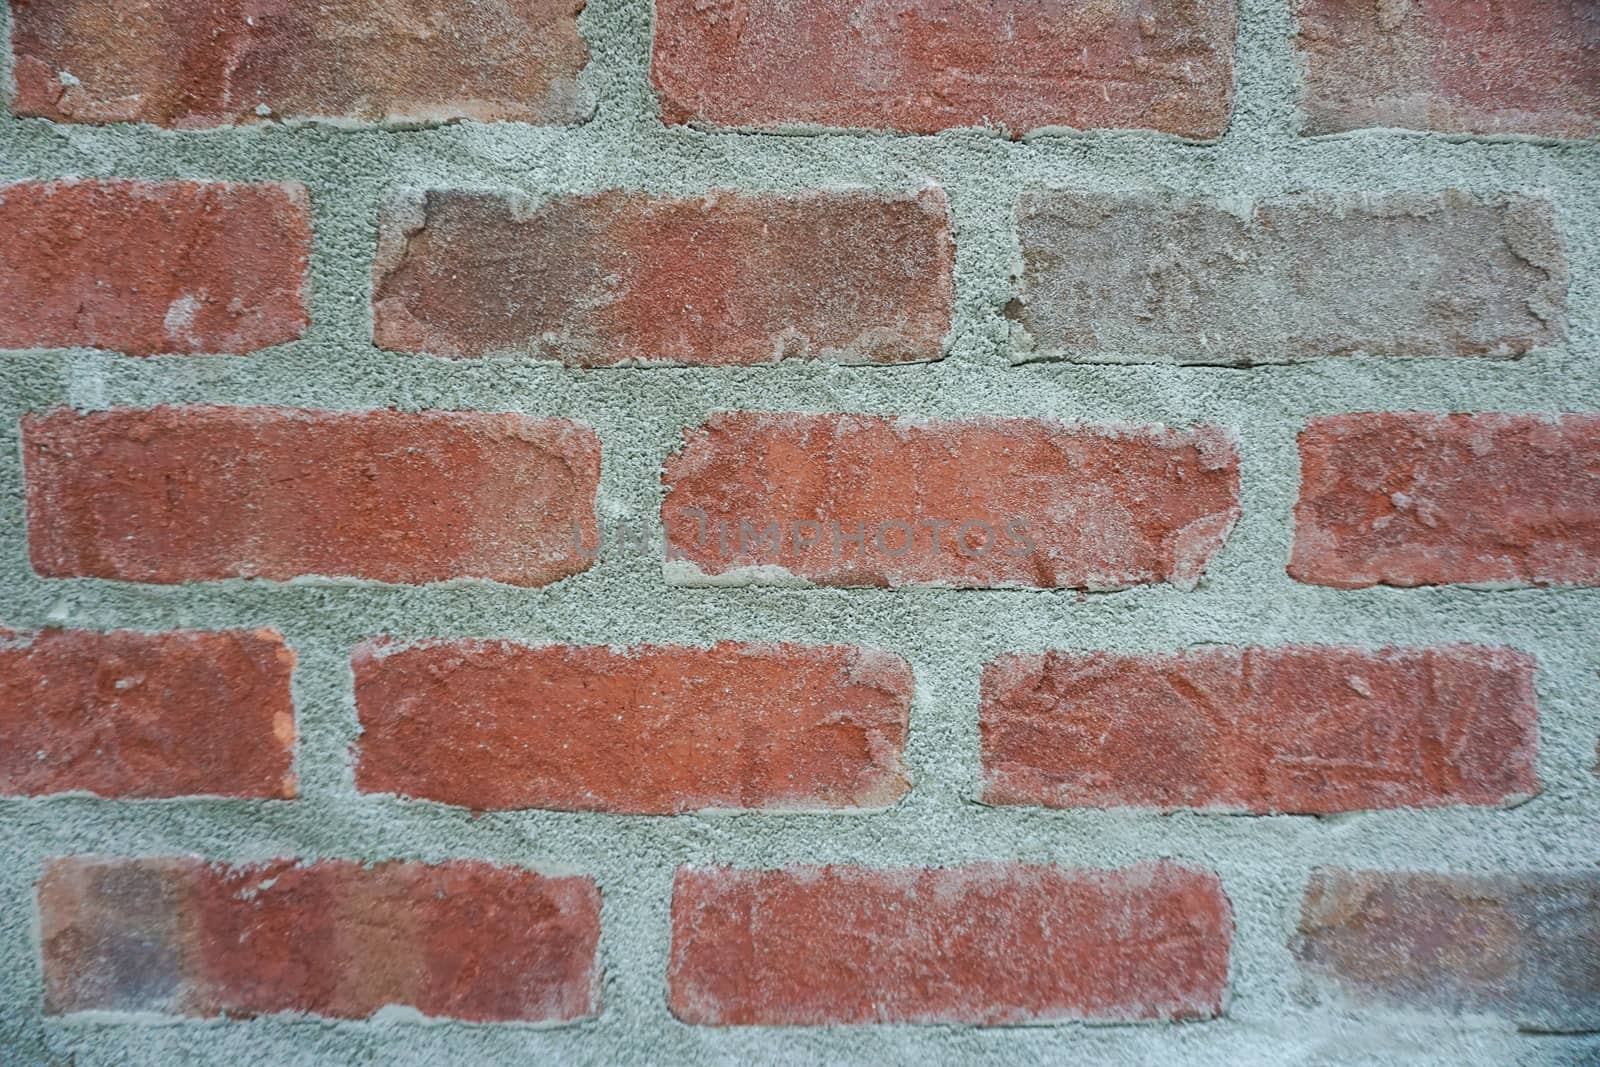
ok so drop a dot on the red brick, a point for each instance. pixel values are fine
(1130, 276)
(928, 65)
(191, 64)
(641, 731)
(1508, 67)
(196, 493)
(626, 278)
(1307, 730)
(153, 267)
(146, 715)
(986, 944)
(1066, 506)
(1409, 499)
(463, 940)
(1523, 946)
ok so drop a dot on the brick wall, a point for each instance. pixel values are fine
(770, 531)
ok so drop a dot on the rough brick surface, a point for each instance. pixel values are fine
(1524, 946)
(146, 715)
(191, 64)
(724, 438)
(178, 494)
(1508, 67)
(1309, 730)
(928, 65)
(1409, 499)
(1315, 274)
(639, 731)
(178, 936)
(149, 267)
(986, 944)
(626, 278)
(1052, 505)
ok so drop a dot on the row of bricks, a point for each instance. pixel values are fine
(920, 66)
(197, 493)
(984, 944)
(1310, 729)
(150, 267)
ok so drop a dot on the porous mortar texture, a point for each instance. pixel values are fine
(947, 635)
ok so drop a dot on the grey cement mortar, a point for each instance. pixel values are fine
(946, 634)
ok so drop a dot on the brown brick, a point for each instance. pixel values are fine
(182, 494)
(928, 65)
(1411, 499)
(626, 278)
(653, 730)
(191, 64)
(1308, 730)
(462, 940)
(153, 267)
(1151, 277)
(1053, 505)
(1523, 946)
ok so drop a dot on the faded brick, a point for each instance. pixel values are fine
(627, 278)
(1504, 67)
(338, 939)
(1523, 946)
(1152, 277)
(1306, 730)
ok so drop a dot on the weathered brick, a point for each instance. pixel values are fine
(627, 278)
(1411, 499)
(191, 64)
(1307, 730)
(1147, 276)
(926, 65)
(196, 493)
(985, 944)
(1507, 67)
(640, 731)
(150, 267)
(1524, 946)
(146, 715)
(1061, 506)
(179, 936)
